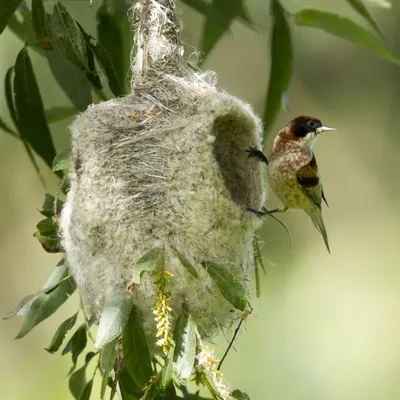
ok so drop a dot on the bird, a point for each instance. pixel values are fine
(293, 171)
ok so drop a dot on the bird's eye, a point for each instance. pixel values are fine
(311, 123)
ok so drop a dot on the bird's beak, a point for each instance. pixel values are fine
(324, 129)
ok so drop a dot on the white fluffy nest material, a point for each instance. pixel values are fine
(164, 165)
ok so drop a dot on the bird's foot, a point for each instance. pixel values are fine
(255, 153)
(265, 211)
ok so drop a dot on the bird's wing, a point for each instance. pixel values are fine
(310, 183)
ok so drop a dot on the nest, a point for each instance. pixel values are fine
(165, 165)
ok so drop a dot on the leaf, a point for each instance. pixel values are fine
(379, 3)
(185, 263)
(39, 20)
(87, 391)
(56, 114)
(105, 61)
(281, 55)
(8, 92)
(46, 303)
(62, 160)
(47, 227)
(72, 80)
(68, 37)
(359, 7)
(185, 346)
(60, 334)
(32, 122)
(163, 388)
(7, 9)
(48, 235)
(220, 16)
(345, 29)
(76, 344)
(135, 350)
(77, 382)
(68, 346)
(128, 387)
(92, 74)
(110, 49)
(115, 314)
(257, 255)
(7, 129)
(48, 206)
(238, 395)
(152, 260)
(107, 361)
(230, 287)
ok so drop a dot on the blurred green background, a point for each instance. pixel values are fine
(327, 327)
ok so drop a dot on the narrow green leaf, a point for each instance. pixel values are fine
(8, 92)
(56, 114)
(77, 382)
(257, 255)
(360, 8)
(13, 113)
(87, 391)
(128, 387)
(71, 79)
(60, 334)
(68, 37)
(185, 263)
(47, 227)
(231, 288)
(50, 244)
(238, 395)
(77, 344)
(105, 62)
(62, 160)
(281, 64)
(32, 122)
(48, 206)
(163, 387)
(379, 3)
(115, 314)
(111, 55)
(91, 73)
(47, 302)
(107, 360)
(136, 351)
(220, 16)
(108, 356)
(7, 129)
(185, 346)
(345, 29)
(7, 9)
(39, 20)
(152, 260)
(68, 346)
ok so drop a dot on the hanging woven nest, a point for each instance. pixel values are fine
(160, 179)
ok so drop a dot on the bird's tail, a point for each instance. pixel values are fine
(316, 217)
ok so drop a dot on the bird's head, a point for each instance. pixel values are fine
(303, 131)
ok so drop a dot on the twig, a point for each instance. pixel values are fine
(242, 318)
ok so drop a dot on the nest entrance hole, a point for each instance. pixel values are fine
(233, 136)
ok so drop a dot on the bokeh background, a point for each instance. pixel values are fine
(327, 327)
